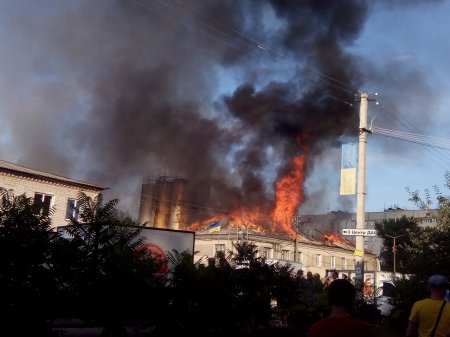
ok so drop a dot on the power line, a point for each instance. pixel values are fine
(239, 40)
(414, 138)
(439, 156)
(205, 210)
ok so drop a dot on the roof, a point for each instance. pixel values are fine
(19, 170)
(252, 235)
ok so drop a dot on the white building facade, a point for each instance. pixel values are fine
(55, 192)
(308, 255)
(314, 226)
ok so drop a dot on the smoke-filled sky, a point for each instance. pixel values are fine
(225, 93)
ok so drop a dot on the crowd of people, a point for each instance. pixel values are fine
(313, 281)
(429, 317)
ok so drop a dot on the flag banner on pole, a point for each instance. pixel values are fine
(214, 227)
(348, 169)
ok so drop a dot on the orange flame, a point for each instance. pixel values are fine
(336, 238)
(241, 217)
(289, 195)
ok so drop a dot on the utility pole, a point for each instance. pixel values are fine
(361, 188)
(394, 249)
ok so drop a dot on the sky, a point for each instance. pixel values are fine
(225, 94)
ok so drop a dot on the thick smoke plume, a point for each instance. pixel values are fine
(221, 92)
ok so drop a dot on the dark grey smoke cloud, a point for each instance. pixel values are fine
(129, 89)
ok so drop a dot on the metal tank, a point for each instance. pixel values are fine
(163, 200)
(146, 206)
(177, 210)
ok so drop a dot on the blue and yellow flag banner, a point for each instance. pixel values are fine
(214, 227)
(348, 169)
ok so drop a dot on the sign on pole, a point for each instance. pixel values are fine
(359, 232)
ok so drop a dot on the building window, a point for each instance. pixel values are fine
(219, 248)
(72, 209)
(45, 201)
(344, 263)
(285, 254)
(318, 260)
(267, 252)
(333, 262)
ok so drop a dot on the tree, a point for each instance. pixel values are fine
(400, 229)
(429, 248)
(27, 287)
(426, 251)
(108, 278)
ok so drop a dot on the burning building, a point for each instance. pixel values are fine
(329, 253)
(168, 202)
(161, 202)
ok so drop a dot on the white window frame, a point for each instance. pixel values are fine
(219, 247)
(318, 260)
(267, 252)
(300, 256)
(332, 261)
(344, 263)
(285, 254)
(75, 210)
(42, 198)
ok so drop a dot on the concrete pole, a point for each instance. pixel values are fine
(361, 188)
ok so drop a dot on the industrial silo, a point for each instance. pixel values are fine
(163, 201)
(146, 207)
(177, 210)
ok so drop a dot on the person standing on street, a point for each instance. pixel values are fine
(341, 296)
(431, 317)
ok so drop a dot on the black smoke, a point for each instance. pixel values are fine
(130, 89)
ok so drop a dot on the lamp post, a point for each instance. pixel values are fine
(394, 248)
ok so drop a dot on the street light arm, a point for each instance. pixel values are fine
(395, 237)
(394, 248)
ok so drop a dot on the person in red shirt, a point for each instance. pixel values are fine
(341, 296)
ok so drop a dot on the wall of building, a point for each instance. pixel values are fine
(283, 250)
(60, 193)
(314, 225)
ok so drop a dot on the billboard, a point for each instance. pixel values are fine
(162, 241)
(159, 241)
(169, 239)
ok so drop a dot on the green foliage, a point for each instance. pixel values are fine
(409, 290)
(425, 251)
(429, 248)
(109, 277)
(401, 229)
(101, 274)
(27, 287)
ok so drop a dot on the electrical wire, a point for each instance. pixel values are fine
(439, 156)
(239, 40)
(204, 210)
(414, 138)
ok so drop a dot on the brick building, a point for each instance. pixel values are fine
(57, 192)
(303, 253)
(313, 226)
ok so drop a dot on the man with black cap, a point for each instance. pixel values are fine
(431, 317)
